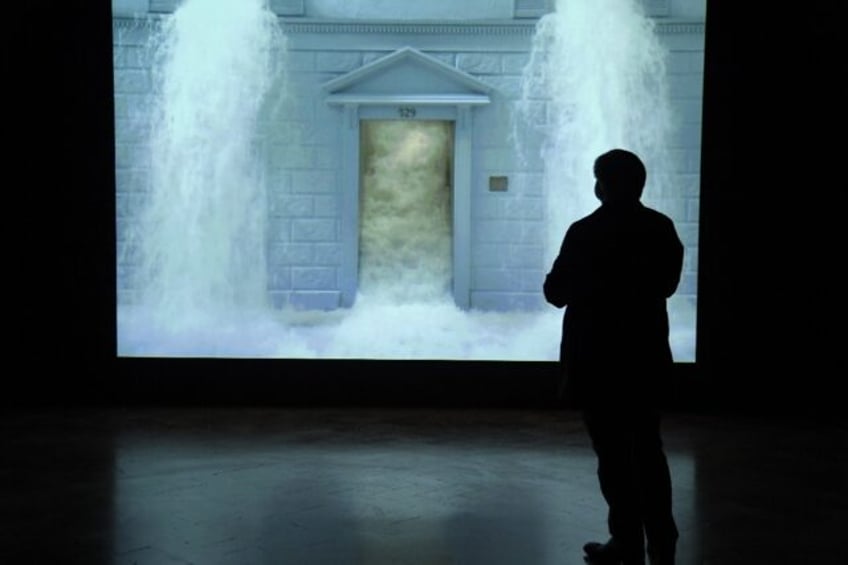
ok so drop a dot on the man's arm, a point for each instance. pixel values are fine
(674, 264)
(559, 282)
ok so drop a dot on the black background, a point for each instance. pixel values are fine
(771, 274)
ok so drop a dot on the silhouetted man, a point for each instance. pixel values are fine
(614, 272)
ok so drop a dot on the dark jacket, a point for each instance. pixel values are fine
(614, 272)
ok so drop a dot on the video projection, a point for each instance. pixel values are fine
(380, 180)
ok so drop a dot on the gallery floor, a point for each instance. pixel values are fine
(337, 486)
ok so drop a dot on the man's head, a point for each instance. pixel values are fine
(620, 176)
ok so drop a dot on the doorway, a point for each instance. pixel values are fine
(406, 174)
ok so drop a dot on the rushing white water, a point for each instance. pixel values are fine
(599, 69)
(201, 237)
(597, 80)
(405, 235)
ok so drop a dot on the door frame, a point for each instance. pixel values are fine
(455, 110)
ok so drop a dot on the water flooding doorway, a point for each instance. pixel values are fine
(406, 209)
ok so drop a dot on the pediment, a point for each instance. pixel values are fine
(405, 74)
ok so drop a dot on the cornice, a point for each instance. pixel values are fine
(500, 27)
(680, 27)
(517, 27)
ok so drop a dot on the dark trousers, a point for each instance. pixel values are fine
(635, 480)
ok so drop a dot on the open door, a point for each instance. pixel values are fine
(406, 209)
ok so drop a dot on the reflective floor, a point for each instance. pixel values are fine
(368, 486)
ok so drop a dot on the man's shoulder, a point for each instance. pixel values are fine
(655, 215)
(661, 225)
(586, 222)
(602, 216)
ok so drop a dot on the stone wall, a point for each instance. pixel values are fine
(304, 148)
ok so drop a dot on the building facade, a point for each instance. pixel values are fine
(448, 62)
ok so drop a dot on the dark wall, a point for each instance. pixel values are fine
(773, 207)
(771, 279)
(59, 260)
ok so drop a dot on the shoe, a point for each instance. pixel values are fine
(607, 554)
(601, 553)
